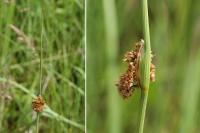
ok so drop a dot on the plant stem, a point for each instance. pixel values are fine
(144, 104)
(41, 55)
(40, 91)
(146, 61)
(37, 124)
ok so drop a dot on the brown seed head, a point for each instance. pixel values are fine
(38, 104)
(125, 85)
(131, 79)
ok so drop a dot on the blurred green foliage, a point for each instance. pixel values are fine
(63, 67)
(173, 99)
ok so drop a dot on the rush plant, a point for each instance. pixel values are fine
(140, 70)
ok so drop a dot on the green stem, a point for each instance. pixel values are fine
(37, 124)
(144, 105)
(41, 55)
(146, 61)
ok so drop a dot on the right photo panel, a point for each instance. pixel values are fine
(143, 60)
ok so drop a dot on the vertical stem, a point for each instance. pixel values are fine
(37, 124)
(41, 55)
(145, 64)
(144, 104)
(40, 92)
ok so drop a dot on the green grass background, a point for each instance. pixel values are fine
(174, 102)
(63, 63)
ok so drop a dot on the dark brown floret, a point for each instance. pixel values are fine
(38, 104)
(130, 79)
(126, 82)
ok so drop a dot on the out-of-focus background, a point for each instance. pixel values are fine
(21, 24)
(113, 26)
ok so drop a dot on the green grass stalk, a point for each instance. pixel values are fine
(41, 55)
(37, 122)
(111, 30)
(145, 65)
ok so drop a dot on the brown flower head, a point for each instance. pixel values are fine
(38, 104)
(131, 79)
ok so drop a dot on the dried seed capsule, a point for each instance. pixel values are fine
(38, 104)
(130, 79)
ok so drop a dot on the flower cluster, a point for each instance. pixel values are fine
(38, 104)
(131, 78)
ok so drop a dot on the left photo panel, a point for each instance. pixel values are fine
(42, 66)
